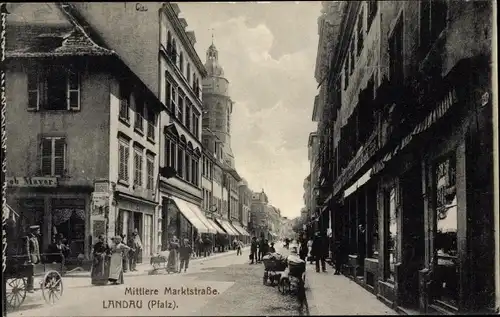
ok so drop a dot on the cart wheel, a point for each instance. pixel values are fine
(15, 290)
(52, 287)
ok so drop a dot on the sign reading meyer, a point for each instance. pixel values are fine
(31, 181)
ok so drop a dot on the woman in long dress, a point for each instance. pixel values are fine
(172, 255)
(117, 250)
(100, 264)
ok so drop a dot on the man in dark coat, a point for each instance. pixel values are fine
(319, 251)
(253, 250)
(339, 256)
(33, 250)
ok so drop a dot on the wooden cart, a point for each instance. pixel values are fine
(47, 279)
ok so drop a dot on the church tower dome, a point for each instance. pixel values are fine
(212, 64)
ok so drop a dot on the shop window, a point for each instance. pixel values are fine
(392, 234)
(68, 220)
(445, 244)
(53, 156)
(173, 215)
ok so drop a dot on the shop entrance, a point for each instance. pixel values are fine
(413, 236)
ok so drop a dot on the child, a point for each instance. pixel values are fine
(184, 255)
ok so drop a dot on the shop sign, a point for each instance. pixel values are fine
(99, 203)
(31, 181)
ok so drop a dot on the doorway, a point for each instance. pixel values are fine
(413, 236)
(137, 225)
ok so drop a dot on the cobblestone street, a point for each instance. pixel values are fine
(239, 292)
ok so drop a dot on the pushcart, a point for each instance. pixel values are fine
(47, 279)
(293, 280)
(273, 269)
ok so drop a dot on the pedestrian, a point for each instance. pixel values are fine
(235, 243)
(271, 248)
(319, 251)
(117, 250)
(207, 245)
(125, 255)
(303, 250)
(173, 248)
(100, 264)
(184, 254)
(33, 250)
(309, 249)
(262, 247)
(253, 250)
(199, 246)
(136, 246)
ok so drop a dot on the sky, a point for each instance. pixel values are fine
(268, 52)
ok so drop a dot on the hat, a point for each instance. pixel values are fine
(34, 227)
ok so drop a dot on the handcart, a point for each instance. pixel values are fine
(47, 276)
(293, 279)
(273, 269)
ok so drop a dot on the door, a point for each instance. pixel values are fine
(413, 235)
(148, 235)
(137, 224)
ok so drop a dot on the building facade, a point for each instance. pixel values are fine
(91, 152)
(411, 105)
(244, 202)
(313, 191)
(259, 215)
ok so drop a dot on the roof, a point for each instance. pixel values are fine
(36, 40)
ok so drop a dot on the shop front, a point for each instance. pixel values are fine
(58, 210)
(435, 195)
(134, 214)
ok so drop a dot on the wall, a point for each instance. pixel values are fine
(86, 131)
(133, 34)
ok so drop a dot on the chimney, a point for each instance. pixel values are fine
(191, 36)
(183, 22)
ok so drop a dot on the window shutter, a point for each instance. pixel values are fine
(46, 151)
(59, 156)
(126, 155)
(73, 90)
(120, 161)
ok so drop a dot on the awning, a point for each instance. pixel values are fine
(197, 211)
(360, 182)
(225, 224)
(190, 215)
(214, 224)
(240, 229)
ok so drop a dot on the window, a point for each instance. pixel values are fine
(372, 10)
(180, 106)
(346, 72)
(173, 52)
(198, 90)
(53, 88)
(188, 116)
(188, 73)
(168, 92)
(353, 54)
(139, 113)
(392, 235)
(173, 100)
(124, 102)
(228, 122)
(181, 63)
(170, 152)
(150, 165)
(151, 119)
(123, 158)
(180, 159)
(396, 71)
(360, 30)
(196, 125)
(53, 156)
(138, 167)
(188, 174)
(433, 16)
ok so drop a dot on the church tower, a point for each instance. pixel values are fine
(218, 107)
